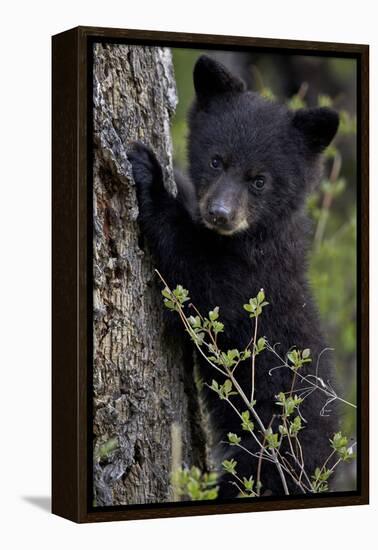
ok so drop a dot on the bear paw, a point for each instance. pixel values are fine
(146, 167)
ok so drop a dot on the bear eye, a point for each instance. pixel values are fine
(258, 182)
(216, 162)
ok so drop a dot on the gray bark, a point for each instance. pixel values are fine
(141, 385)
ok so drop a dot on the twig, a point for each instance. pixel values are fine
(322, 387)
(259, 464)
(253, 360)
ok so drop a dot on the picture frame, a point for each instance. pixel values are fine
(72, 288)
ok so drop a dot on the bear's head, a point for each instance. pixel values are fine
(252, 161)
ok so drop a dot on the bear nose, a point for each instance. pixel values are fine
(219, 214)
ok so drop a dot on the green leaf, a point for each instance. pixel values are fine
(320, 477)
(282, 429)
(348, 123)
(195, 484)
(246, 354)
(272, 439)
(217, 327)
(324, 100)
(233, 439)
(339, 444)
(232, 353)
(247, 424)
(230, 358)
(295, 426)
(261, 296)
(261, 344)
(338, 441)
(227, 386)
(230, 466)
(107, 448)
(293, 356)
(255, 305)
(298, 358)
(289, 403)
(214, 314)
(195, 321)
(198, 338)
(267, 94)
(248, 483)
(296, 102)
(226, 390)
(214, 385)
(211, 494)
(166, 293)
(211, 477)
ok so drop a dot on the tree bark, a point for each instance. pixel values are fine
(142, 387)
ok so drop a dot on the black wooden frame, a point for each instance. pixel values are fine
(72, 288)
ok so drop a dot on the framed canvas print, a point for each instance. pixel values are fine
(210, 274)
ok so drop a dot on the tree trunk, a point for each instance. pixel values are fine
(141, 386)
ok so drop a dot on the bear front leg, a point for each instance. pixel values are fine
(148, 177)
(162, 218)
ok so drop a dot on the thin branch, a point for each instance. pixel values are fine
(254, 359)
(259, 464)
(323, 387)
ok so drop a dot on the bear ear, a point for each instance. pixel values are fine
(211, 78)
(318, 126)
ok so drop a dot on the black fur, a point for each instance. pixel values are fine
(262, 242)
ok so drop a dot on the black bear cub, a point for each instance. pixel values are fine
(238, 225)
